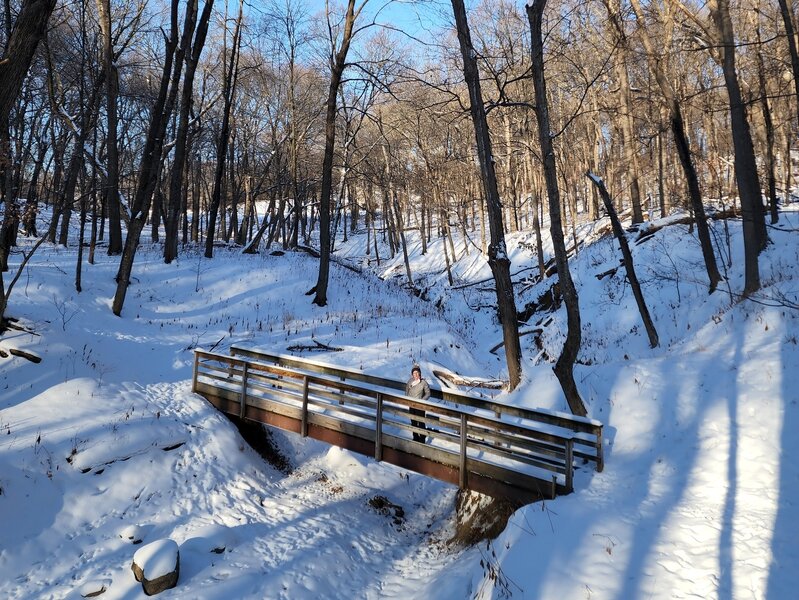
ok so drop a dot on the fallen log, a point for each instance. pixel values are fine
(458, 380)
(27, 355)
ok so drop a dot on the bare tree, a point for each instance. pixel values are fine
(112, 150)
(27, 32)
(754, 223)
(629, 267)
(658, 62)
(228, 92)
(790, 38)
(338, 61)
(151, 158)
(497, 252)
(192, 57)
(631, 168)
(564, 366)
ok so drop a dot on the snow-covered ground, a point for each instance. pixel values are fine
(103, 440)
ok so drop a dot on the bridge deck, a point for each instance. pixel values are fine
(475, 444)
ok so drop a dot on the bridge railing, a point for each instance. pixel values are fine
(476, 451)
(587, 432)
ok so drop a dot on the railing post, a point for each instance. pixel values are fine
(195, 369)
(243, 399)
(304, 425)
(570, 465)
(463, 478)
(600, 456)
(379, 428)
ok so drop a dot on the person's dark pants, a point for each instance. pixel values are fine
(418, 437)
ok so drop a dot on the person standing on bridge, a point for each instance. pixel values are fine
(417, 388)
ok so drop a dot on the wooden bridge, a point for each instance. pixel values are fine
(504, 451)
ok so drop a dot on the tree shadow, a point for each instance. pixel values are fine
(625, 512)
(783, 575)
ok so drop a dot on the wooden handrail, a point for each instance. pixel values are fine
(563, 420)
(576, 423)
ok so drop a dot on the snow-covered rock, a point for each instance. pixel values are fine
(157, 566)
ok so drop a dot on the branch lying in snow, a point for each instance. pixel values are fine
(12, 323)
(604, 274)
(473, 283)
(537, 330)
(716, 215)
(342, 263)
(319, 347)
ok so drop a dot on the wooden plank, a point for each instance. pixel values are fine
(194, 372)
(542, 462)
(488, 439)
(353, 399)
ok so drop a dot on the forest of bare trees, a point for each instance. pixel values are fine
(292, 124)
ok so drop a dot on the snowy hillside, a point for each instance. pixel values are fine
(103, 439)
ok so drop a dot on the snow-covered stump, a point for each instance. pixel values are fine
(157, 566)
(133, 534)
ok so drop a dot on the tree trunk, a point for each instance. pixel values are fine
(224, 135)
(564, 367)
(150, 161)
(498, 259)
(790, 35)
(628, 261)
(32, 197)
(683, 151)
(175, 197)
(112, 151)
(768, 122)
(754, 222)
(338, 61)
(615, 16)
(28, 30)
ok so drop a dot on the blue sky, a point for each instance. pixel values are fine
(419, 18)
